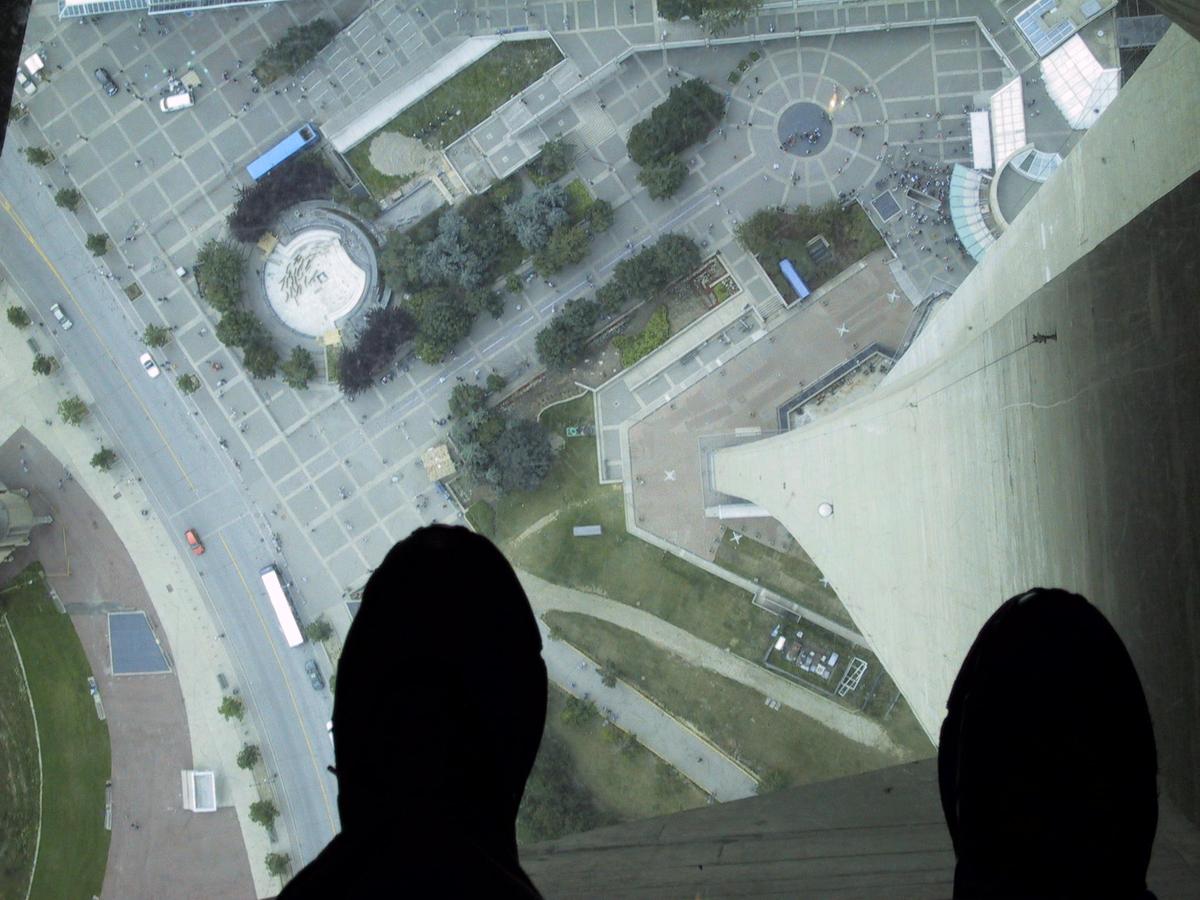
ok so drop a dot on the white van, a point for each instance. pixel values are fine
(177, 101)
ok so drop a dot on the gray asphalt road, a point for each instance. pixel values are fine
(707, 767)
(192, 485)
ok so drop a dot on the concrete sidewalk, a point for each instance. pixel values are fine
(198, 654)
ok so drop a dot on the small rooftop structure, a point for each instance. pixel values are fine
(199, 790)
(438, 464)
(1079, 86)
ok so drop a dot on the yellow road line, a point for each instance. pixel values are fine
(8, 208)
(291, 695)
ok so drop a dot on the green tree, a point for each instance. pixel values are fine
(248, 756)
(318, 630)
(97, 244)
(567, 246)
(239, 328)
(188, 383)
(219, 269)
(68, 198)
(103, 459)
(232, 708)
(156, 335)
(72, 410)
(441, 323)
(772, 780)
(553, 161)
(578, 712)
(277, 863)
(298, 369)
(561, 342)
(399, 261)
(691, 110)
(609, 673)
(512, 283)
(17, 317)
(298, 46)
(264, 813)
(663, 178)
(44, 365)
(600, 216)
(522, 456)
(496, 382)
(39, 156)
(611, 297)
(534, 217)
(260, 358)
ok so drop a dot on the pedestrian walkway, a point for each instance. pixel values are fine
(706, 765)
(547, 596)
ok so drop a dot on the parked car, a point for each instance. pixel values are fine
(61, 317)
(106, 82)
(149, 365)
(329, 730)
(314, 675)
(194, 542)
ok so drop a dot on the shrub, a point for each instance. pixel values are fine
(655, 334)
(318, 630)
(188, 383)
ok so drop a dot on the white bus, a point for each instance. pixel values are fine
(282, 606)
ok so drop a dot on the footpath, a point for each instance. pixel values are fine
(546, 596)
(31, 401)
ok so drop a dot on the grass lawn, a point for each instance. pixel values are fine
(631, 783)
(733, 716)
(459, 104)
(378, 183)
(791, 574)
(19, 763)
(534, 531)
(76, 759)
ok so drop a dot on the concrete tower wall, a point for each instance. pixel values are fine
(989, 463)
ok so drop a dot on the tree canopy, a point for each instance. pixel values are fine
(385, 332)
(260, 358)
(663, 177)
(300, 178)
(299, 45)
(219, 267)
(298, 369)
(568, 245)
(716, 16)
(441, 320)
(522, 456)
(561, 342)
(692, 109)
(239, 328)
(534, 217)
(553, 162)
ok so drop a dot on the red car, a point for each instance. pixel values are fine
(194, 542)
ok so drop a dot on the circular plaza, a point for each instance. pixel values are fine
(319, 270)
